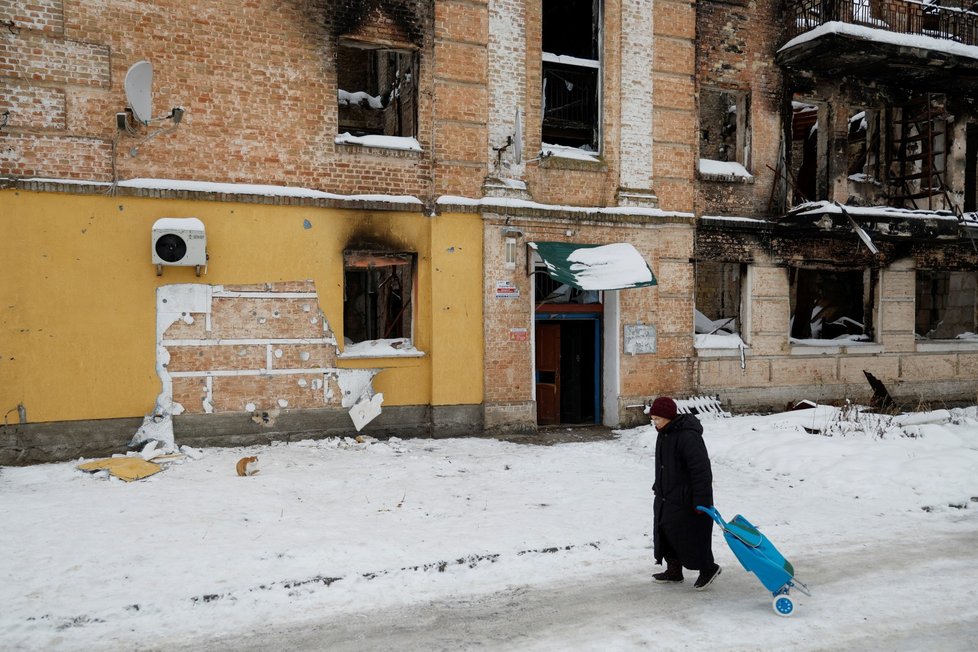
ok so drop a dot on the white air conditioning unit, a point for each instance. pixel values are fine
(179, 241)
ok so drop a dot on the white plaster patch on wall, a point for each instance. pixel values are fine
(208, 404)
(358, 395)
(507, 78)
(173, 303)
(354, 383)
(636, 94)
(282, 403)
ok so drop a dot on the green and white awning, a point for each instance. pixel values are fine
(595, 267)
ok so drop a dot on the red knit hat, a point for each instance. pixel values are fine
(663, 407)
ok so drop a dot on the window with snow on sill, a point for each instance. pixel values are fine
(393, 348)
(841, 340)
(719, 341)
(710, 168)
(380, 142)
(549, 150)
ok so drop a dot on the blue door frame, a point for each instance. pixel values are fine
(584, 316)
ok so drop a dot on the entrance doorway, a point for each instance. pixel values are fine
(568, 367)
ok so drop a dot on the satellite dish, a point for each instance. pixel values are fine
(139, 90)
(518, 138)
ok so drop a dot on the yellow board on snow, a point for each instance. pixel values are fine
(125, 468)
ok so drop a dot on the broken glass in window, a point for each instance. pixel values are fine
(377, 292)
(946, 305)
(571, 73)
(831, 305)
(377, 90)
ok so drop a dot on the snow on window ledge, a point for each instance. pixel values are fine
(549, 151)
(400, 143)
(963, 342)
(394, 348)
(727, 342)
(843, 345)
(730, 171)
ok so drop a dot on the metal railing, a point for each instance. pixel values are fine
(944, 21)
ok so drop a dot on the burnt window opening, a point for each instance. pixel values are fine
(832, 305)
(864, 144)
(377, 90)
(917, 171)
(805, 172)
(725, 126)
(378, 288)
(863, 158)
(946, 305)
(571, 35)
(549, 291)
(719, 299)
(971, 168)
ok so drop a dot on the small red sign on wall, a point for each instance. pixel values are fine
(519, 334)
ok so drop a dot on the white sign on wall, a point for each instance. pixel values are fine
(507, 290)
(639, 339)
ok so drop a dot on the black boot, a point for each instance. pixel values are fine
(673, 573)
(706, 577)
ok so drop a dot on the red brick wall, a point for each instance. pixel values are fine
(736, 41)
(240, 353)
(257, 82)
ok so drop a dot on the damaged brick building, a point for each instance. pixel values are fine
(449, 217)
(271, 220)
(836, 198)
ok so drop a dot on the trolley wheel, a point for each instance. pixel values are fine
(783, 605)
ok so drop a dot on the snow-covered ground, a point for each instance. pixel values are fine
(465, 543)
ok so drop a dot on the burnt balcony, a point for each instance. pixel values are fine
(910, 44)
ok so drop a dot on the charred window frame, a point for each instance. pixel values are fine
(807, 172)
(864, 146)
(377, 90)
(722, 289)
(725, 126)
(946, 304)
(378, 295)
(833, 304)
(919, 142)
(571, 93)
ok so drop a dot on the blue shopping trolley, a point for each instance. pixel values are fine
(759, 556)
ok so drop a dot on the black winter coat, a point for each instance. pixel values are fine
(683, 480)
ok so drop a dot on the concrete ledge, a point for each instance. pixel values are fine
(909, 395)
(36, 443)
(519, 417)
(947, 346)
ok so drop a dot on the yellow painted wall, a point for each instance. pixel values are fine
(77, 294)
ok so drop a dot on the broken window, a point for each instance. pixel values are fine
(725, 126)
(719, 297)
(805, 171)
(917, 169)
(377, 90)
(832, 305)
(863, 157)
(549, 291)
(947, 303)
(971, 168)
(571, 73)
(377, 295)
